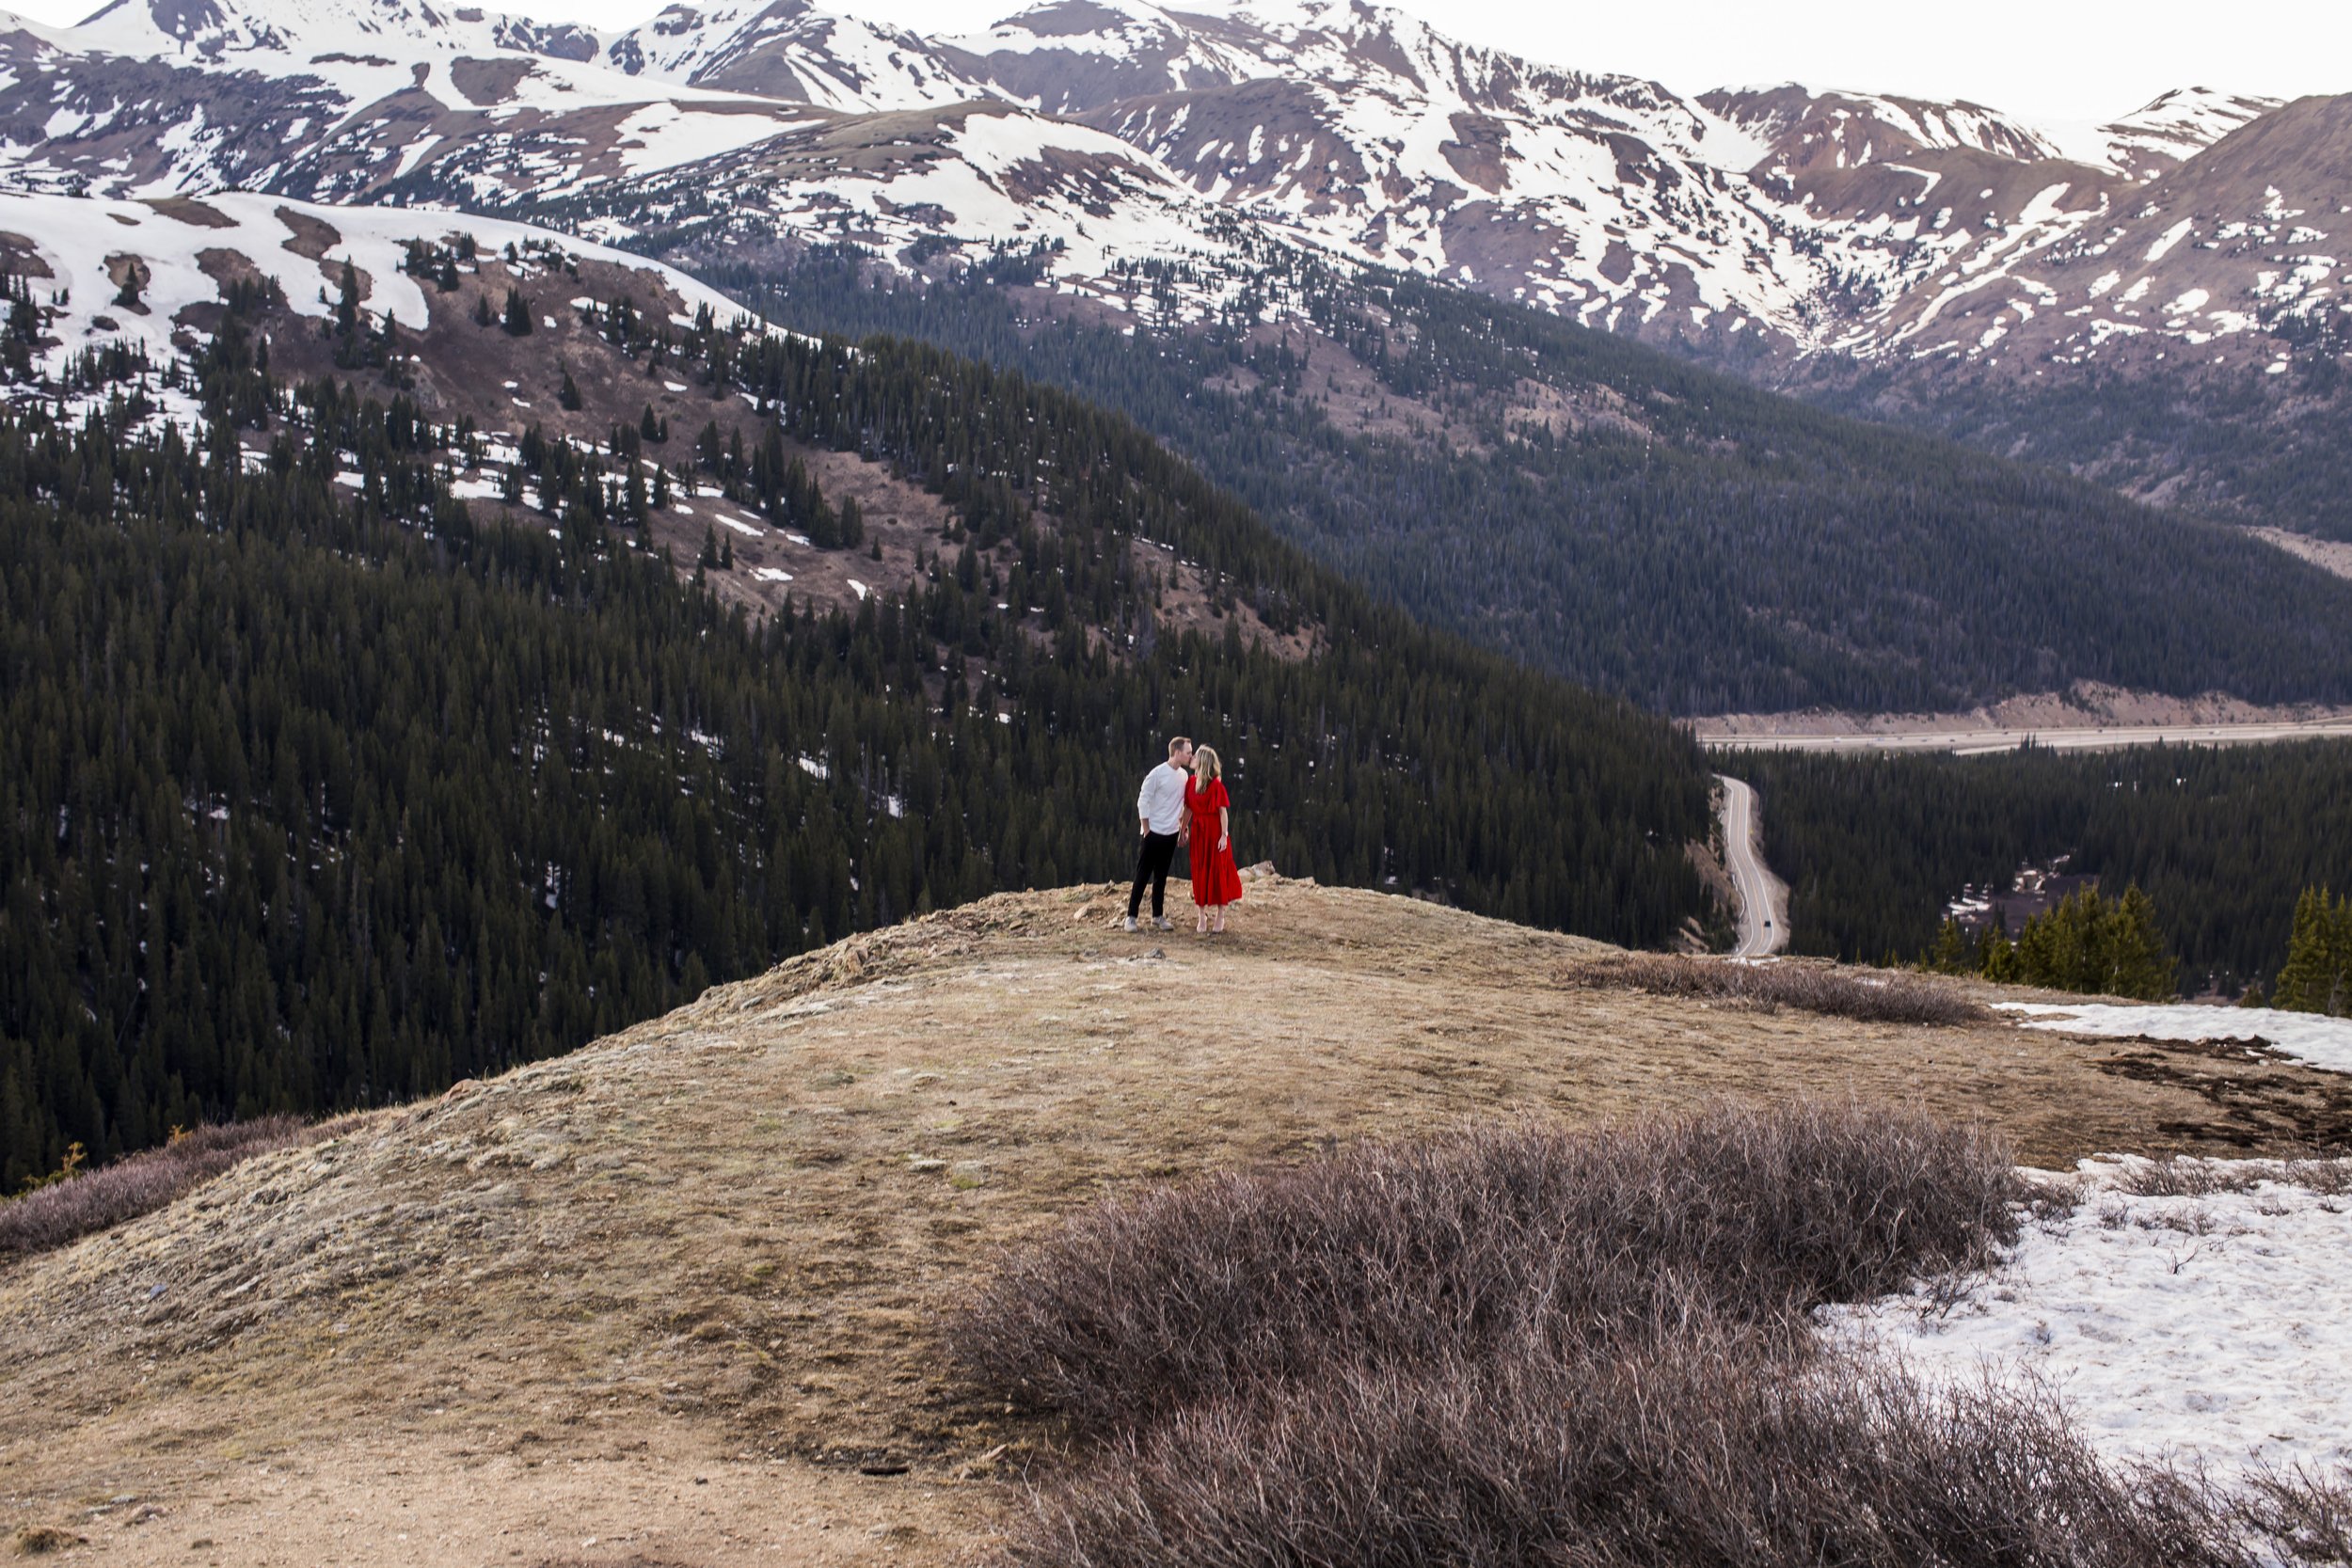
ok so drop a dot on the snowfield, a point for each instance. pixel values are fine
(2213, 1329)
(2309, 1038)
(74, 238)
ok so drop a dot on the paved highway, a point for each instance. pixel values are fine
(2089, 738)
(1763, 917)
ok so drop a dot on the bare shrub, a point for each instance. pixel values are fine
(2329, 1178)
(137, 1184)
(2305, 1516)
(41, 1540)
(1414, 1253)
(2186, 1176)
(1807, 987)
(1694, 1448)
(1528, 1347)
(2176, 1176)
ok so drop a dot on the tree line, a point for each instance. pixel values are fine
(2085, 943)
(2222, 839)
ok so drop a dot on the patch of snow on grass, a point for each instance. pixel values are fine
(2215, 1328)
(2311, 1037)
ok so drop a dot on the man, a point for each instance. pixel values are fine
(1160, 819)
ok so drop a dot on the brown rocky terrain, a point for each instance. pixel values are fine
(672, 1299)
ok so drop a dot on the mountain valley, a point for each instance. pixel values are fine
(584, 610)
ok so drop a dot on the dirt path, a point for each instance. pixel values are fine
(496, 1327)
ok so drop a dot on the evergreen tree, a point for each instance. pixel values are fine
(517, 319)
(2088, 943)
(1997, 956)
(2317, 975)
(1950, 954)
(2136, 962)
(347, 300)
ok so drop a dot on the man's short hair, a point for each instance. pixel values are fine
(1176, 743)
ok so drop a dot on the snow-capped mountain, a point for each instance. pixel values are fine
(790, 50)
(2165, 132)
(1104, 136)
(1367, 131)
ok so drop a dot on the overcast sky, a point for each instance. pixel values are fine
(2049, 59)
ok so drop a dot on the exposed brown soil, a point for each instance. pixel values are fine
(2247, 1099)
(2086, 704)
(669, 1299)
(2328, 555)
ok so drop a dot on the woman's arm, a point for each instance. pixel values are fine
(1224, 827)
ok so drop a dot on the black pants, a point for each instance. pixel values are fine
(1152, 866)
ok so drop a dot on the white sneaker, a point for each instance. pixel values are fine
(1164, 923)
(1130, 924)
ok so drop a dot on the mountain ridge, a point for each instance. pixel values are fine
(1348, 128)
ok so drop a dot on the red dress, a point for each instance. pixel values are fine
(1214, 881)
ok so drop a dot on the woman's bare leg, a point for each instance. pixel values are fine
(1220, 928)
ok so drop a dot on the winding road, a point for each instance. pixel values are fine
(1763, 897)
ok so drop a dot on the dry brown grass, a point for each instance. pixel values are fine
(1812, 987)
(717, 1246)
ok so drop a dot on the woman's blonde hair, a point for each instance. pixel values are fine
(1204, 762)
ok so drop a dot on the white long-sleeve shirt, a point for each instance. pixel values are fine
(1161, 800)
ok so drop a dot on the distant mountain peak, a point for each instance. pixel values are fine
(1121, 130)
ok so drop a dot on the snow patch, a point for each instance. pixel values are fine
(2311, 1037)
(2213, 1328)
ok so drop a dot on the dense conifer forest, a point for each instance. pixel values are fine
(2223, 840)
(2238, 445)
(1697, 544)
(320, 791)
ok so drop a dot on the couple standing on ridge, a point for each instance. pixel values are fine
(1184, 798)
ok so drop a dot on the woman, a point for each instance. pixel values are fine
(1214, 881)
